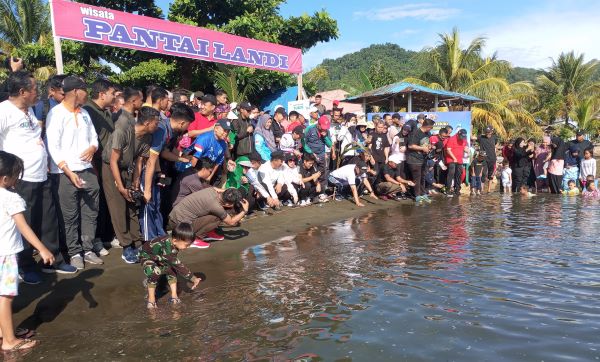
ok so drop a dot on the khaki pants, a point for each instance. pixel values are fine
(124, 214)
(201, 225)
(386, 188)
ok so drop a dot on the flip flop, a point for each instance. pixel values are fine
(21, 346)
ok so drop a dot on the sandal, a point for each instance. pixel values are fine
(21, 346)
(151, 305)
(174, 301)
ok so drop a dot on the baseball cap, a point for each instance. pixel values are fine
(489, 129)
(246, 164)
(407, 128)
(246, 105)
(362, 166)
(225, 124)
(324, 122)
(580, 133)
(72, 82)
(462, 134)
(421, 116)
(482, 154)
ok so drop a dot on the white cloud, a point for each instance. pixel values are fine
(532, 39)
(405, 33)
(424, 11)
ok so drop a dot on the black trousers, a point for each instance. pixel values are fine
(42, 218)
(417, 173)
(555, 182)
(520, 176)
(79, 209)
(455, 171)
(307, 192)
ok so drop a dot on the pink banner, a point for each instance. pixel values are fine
(92, 24)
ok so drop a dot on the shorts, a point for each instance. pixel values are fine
(506, 184)
(9, 276)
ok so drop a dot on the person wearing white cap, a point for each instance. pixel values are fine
(314, 115)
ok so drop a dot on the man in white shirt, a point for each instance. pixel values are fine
(346, 176)
(20, 134)
(72, 143)
(271, 183)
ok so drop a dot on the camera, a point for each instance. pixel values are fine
(137, 196)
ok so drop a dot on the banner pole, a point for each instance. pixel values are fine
(58, 55)
(300, 92)
(57, 46)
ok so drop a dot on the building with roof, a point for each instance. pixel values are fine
(412, 98)
(327, 98)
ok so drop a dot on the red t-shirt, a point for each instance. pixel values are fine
(458, 149)
(201, 122)
(291, 126)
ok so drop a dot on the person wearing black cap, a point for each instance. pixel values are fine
(279, 120)
(271, 177)
(487, 142)
(72, 142)
(454, 150)
(242, 127)
(416, 158)
(310, 187)
(213, 145)
(345, 177)
(55, 96)
(291, 142)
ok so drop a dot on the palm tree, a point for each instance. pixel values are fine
(570, 79)
(23, 22)
(466, 71)
(587, 115)
(237, 82)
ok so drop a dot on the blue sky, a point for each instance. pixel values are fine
(526, 32)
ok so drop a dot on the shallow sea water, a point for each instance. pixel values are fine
(476, 279)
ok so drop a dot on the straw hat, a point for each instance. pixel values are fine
(370, 125)
(362, 122)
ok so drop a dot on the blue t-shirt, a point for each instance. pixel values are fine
(162, 136)
(206, 145)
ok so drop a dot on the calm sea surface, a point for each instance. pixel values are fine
(484, 279)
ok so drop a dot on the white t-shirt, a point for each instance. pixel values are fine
(346, 175)
(10, 238)
(21, 135)
(69, 134)
(506, 172)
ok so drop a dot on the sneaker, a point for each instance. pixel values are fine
(418, 199)
(426, 199)
(302, 203)
(130, 255)
(115, 244)
(213, 236)
(339, 197)
(289, 203)
(307, 202)
(262, 205)
(30, 277)
(77, 262)
(92, 258)
(62, 268)
(323, 198)
(200, 244)
(103, 252)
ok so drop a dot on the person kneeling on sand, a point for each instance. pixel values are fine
(159, 257)
(205, 210)
(346, 176)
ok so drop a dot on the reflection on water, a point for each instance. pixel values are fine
(495, 279)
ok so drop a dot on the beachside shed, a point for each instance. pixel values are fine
(413, 97)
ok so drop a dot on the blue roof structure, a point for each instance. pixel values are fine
(405, 87)
(280, 97)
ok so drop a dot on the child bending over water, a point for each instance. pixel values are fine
(159, 257)
(572, 190)
(12, 227)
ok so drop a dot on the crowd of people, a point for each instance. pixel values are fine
(87, 168)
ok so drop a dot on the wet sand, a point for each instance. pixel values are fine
(73, 305)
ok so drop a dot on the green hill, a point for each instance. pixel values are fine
(344, 72)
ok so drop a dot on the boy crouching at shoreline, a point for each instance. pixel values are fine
(159, 257)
